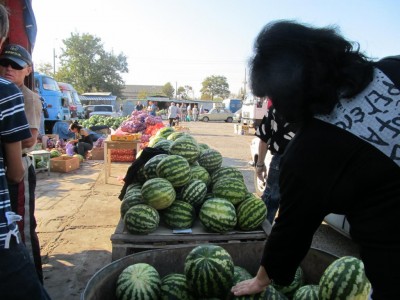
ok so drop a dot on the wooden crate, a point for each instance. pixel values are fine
(126, 137)
(124, 243)
(97, 153)
(64, 164)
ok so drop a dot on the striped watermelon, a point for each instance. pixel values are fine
(198, 172)
(209, 271)
(128, 203)
(251, 213)
(154, 140)
(135, 185)
(232, 189)
(240, 274)
(174, 286)
(175, 135)
(186, 147)
(218, 215)
(165, 132)
(210, 159)
(132, 193)
(163, 145)
(140, 177)
(158, 193)
(344, 279)
(150, 166)
(175, 169)
(307, 292)
(139, 281)
(141, 219)
(289, 290)
(180, 215)
(226, 172)
(203, 146)
(194, 192)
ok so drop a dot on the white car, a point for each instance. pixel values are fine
(217, 114)
(103, 110)
(337, 222)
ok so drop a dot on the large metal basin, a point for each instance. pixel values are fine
(247, 254)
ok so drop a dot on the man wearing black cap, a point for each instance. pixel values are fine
(15, 65)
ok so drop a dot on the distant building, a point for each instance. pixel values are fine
(132, 92)
(98, 98)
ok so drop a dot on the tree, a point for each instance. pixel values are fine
(181, 92)
(89, 68)
(215, 86)
(168, 90)
(45, 68)
(142, 95)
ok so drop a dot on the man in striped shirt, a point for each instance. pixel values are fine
(18, 278)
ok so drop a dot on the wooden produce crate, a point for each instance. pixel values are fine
(97, 153)
(64, 164)
(124, 243)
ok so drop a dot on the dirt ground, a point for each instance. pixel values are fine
(77, 212)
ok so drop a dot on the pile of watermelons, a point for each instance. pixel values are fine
(189, 183)
(210, 272)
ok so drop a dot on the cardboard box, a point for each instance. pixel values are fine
(97, 153)
(126, 137)
(64, 164)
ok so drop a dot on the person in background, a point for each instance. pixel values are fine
(18, 277)
(153, 109)
(183, 112)
(172, 113)
(345, 157)
(139, 106)
(178, 114)
(15, 66)
(83, 141)
(275, 134)
(195, 112)
(189, 116)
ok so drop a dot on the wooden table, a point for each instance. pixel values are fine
(110, 145)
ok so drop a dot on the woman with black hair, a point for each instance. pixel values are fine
(344, 159)
(83, 140)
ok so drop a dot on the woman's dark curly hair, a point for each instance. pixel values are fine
(305, 70)
(75, 125)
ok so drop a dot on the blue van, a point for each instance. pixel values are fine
(233, 104)
(57, 105)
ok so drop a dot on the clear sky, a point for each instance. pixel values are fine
(184, 41)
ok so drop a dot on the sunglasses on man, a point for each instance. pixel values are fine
(5, 63)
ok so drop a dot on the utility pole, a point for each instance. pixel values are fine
(244, 83)
(54, 61)
(176, 90)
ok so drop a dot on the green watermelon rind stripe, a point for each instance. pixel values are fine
(130, 287)
(251, 213)
(349, 272)
(174, 286)
(218, 215)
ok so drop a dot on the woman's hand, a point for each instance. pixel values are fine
(252, 286)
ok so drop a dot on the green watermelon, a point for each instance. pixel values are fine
(135, 185)
(163, 144)
(54, 153)
(150, 166)
(203, 146)
(240, 274)
(154, 140)
(307, 292)
(194, 192)
(175, 169)
(226, 172)
(128, 203)
(175, 135)
(289, 290)
(140, 176)
(218, 215)
(133, 192)
(210, 159)
(139, 281)
(344, 279)
(186, 147)
(232, 189)
(209, 271)
(165, 132)
(141, 219)
(174, 286)
(198, 172)
(158, 193)
(180, 215)
(251, 213)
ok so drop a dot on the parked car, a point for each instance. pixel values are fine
(217, 114)
(102, 110)
(337, 222)
(237, 117)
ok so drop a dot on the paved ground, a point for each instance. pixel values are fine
(77, 213)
